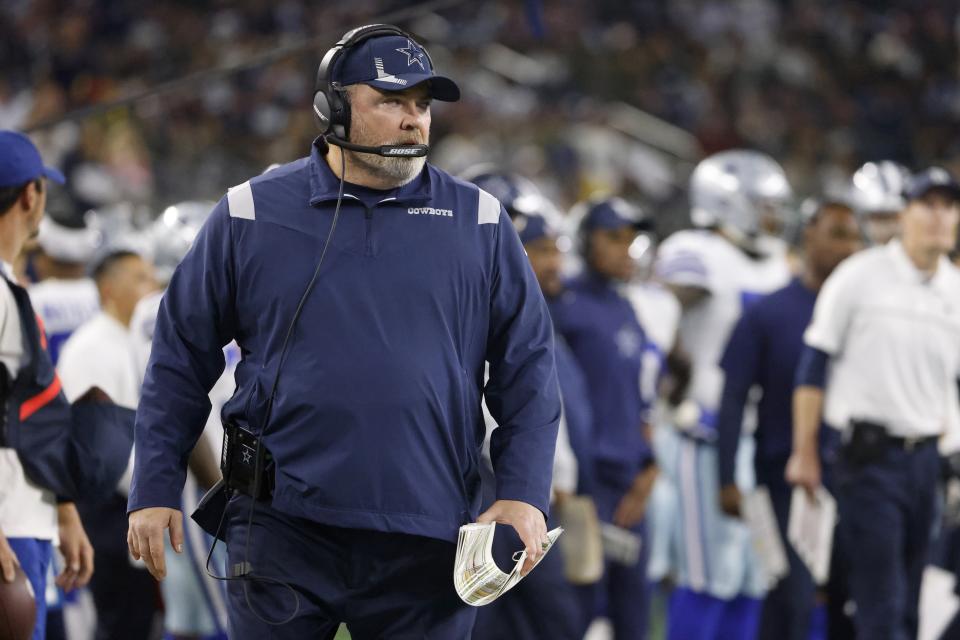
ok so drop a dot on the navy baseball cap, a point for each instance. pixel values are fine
(20, 161)
(614, 213)
(532, 226)
(392, 63)
(929, 179)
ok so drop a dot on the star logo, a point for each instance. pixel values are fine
(247, 455)
(413, 53)
(627, 341)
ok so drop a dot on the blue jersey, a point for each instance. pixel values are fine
(377, 421)
(763, 350)
(601, 327)
(578, 413)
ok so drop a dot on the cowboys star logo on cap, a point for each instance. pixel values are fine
(377, 62)
(413, 53)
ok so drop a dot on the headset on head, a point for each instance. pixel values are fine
(330, 106)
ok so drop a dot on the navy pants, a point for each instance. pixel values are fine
(886, 510)
(788, 607)
(950, 560)
(623, 593)
(382, 585)
(126, 597)
(543, 605)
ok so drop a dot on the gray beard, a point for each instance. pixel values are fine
(400, 170)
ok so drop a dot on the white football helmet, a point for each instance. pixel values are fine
(173, 232)
(876, 192)
(878, 187)
(742, 192)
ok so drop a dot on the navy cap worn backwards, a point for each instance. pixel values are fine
(929, 179)
(392, 63)
(614, 213)
(532, 227)
(533, 216)
(20, 161)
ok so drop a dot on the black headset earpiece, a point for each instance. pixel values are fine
(331, 109)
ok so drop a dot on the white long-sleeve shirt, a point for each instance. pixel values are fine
(101, 353)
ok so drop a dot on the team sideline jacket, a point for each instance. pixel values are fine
(377, 421)
(605, 336)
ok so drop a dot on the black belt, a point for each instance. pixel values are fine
(867, 441)
(909, 444)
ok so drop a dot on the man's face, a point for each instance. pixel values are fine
(831, 238)
(389, 118)
(881, 227)
(609, 253)
(131, 279)
(35, 214)
(772, 218)
(930, 223)
(547, 261)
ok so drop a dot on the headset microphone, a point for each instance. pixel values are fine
(388, 150)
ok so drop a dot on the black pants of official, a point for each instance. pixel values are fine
(886, 514)
(788, 607)
(126, 597)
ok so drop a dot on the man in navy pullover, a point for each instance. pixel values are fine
(603, 331)
(376, 424)
(763, 350)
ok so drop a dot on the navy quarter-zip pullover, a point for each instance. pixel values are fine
(601, 327)
(377, 421)
(763, 350)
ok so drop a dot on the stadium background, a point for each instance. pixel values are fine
(155, 102)
(144, 104)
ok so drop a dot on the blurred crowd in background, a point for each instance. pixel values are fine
(574, 94)
(149, 105)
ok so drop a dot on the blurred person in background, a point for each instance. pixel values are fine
(664, 374)
(601, 326)
(877, 197)
(545, 604)
(33, 471)
(886, 326)
(101, 353)
(762, 353)
(733, 256)
(62, 292)
(949, 552)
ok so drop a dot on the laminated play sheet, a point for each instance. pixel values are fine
(476, 576)
(810, 530)
(760, 518)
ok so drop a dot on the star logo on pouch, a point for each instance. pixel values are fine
(247, 455)
(413, 53)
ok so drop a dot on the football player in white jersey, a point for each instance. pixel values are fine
(659, 314)
(738, 206)
(64, 296)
